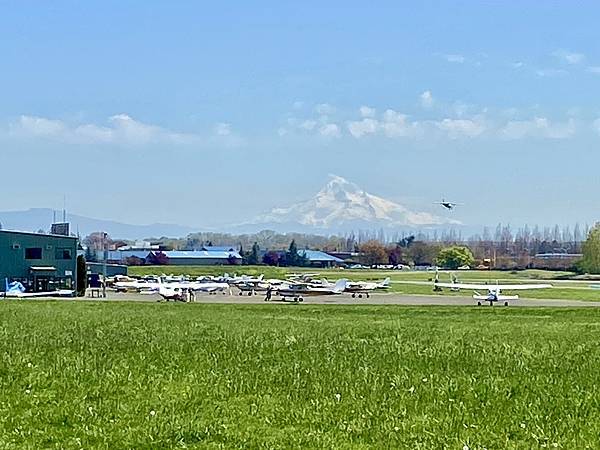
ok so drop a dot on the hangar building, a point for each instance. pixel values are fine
(41, 262)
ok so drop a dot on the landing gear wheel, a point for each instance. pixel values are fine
(505, 303)
(478, 303)
(249, 294)
(301, 299)
(353, 295)
(359, 295)
(368, 296)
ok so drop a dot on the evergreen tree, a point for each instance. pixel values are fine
(253, 258)
(243, 254)
(291, 256)
(81, 276)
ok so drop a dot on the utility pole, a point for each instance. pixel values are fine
(105, 252)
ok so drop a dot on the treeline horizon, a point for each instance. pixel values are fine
(565, 239)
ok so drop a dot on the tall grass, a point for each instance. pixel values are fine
(124, 375)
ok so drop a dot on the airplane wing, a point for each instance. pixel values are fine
(504, 287)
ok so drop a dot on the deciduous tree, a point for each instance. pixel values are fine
(590, 262)
(373, 252)
(455, 257)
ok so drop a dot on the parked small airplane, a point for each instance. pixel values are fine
(17, 290)
(297, 292)
(148, 284)
(358, 288)
(494, 290)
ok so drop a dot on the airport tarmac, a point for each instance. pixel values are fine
(346, 299)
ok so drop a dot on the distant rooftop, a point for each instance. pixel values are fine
(558, 255)
(201, 254)
(318, 256)
(220, 248)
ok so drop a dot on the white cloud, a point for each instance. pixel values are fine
(324, 109)
(39, 126)
(462, 122)
(330, 130)
(298, 104)
(362, 127)
(569, 57)
(223, 129)
(426, 99)
(395, 124)
(594, 69)
(120, 129)
(596, 126)
(457, 128)
(365, 111)
(546, 73)
(518, 65)
(308, 125)
(538, 127)
(455, 58)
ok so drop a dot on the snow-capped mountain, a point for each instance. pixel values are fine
(342, 205)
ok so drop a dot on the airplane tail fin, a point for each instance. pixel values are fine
(386, 282)
(340, 286)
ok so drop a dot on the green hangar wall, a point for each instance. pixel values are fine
(42, 262)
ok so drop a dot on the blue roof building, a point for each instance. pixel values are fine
(202, 258)
(320, 259)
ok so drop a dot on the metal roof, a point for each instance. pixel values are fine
(202, 254)
(121, 255)
(41, 235)
(219, 248)
(316, 255)
(558, 255)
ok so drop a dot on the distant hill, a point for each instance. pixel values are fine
(40, 219)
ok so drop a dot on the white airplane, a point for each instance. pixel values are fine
(297, 292)
(175, 290)
(148, 284)
(302, 276)
(358, 288)
(494, 290)
(243, 279)
(17, 290)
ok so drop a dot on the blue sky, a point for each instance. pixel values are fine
(206, 113)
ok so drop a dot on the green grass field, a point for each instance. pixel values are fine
(126, 375)
(569, 290)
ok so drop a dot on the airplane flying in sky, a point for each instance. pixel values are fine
(494, 290)
(448, 205)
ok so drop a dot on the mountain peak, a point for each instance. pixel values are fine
(341, 204)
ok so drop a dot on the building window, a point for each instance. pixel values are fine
(63, 253)
(33, 253)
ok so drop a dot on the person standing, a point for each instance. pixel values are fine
(269, 294)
